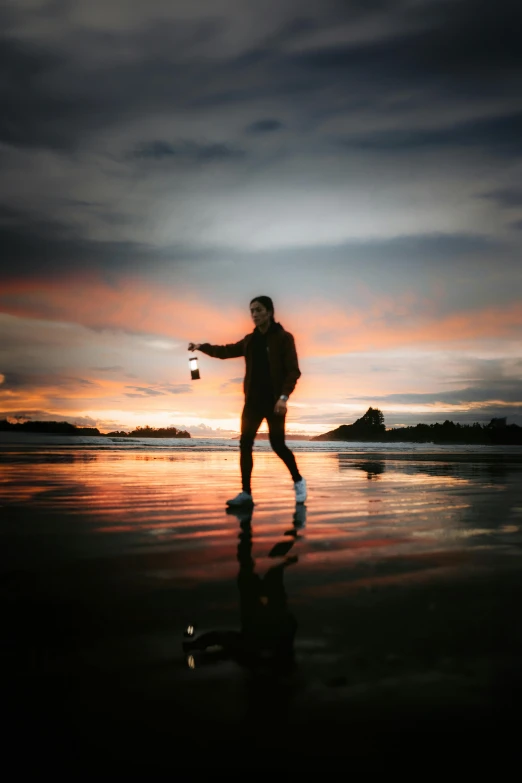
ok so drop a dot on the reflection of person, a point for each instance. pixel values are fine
(268, 627)
(272, 371)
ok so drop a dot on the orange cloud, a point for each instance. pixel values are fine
(38, 392)
(136, 305)
(406, 323)
(132, 305)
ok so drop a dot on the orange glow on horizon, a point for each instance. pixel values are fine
(138, 308)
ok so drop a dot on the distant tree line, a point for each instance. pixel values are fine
(496, 433)
(58, 427)
(153, 432)
(371, 427)
(65, 428)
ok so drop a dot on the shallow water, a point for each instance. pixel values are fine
(11, 442)
(396, 587)
(127, 501)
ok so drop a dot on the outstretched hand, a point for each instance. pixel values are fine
(194, 346)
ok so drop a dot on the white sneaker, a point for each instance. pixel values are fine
(300, 491)
(243, 499)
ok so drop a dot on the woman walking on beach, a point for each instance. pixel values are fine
(271, 373)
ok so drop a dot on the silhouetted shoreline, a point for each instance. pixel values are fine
(370, 428)
(151, 432)
(57, 427)
(65, 428)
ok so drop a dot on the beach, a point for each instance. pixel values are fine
(147, 628)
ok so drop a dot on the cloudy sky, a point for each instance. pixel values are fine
(164, 162)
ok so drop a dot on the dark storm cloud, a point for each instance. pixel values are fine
(501, 135)
(32, 115)
(55, 100)
(51, 99)
(264, 126)
(34, 245)
(472, 42)
(505, 197)
(28, 113)
(31, 245)
(154, 149)
(186, 150)
(517, 225)
(439, 247)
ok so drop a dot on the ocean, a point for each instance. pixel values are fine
(33, 441)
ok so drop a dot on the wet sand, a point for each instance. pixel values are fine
(380, 621)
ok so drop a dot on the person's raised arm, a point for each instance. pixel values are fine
(229, 351)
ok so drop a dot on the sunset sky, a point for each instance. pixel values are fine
(163, 162)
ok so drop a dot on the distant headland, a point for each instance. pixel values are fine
(371, 427)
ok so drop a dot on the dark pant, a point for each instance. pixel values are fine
(251, 419)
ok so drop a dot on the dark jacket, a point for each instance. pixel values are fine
(282, 356)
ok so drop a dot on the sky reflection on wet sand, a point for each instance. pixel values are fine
(355, 508)
(395, 568)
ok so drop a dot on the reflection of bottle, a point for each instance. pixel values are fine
(194, 370)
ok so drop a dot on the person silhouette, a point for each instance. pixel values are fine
(265, 641)
(271, 373)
